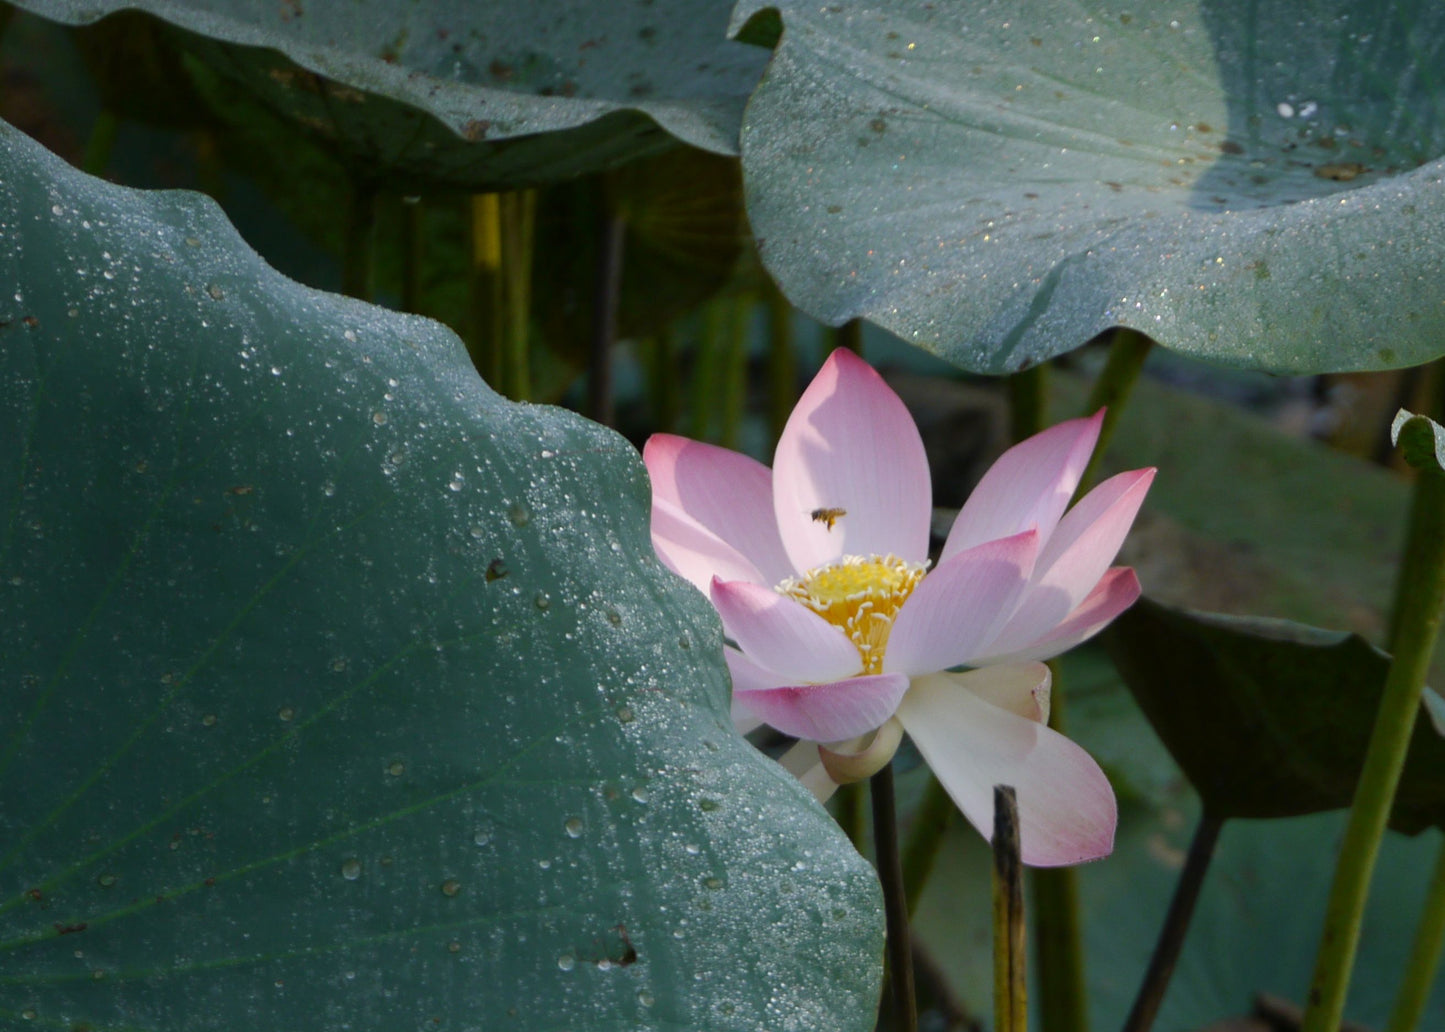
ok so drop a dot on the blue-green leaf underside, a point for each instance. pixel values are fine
(488, 94)
(1256, 184)
(336, 692)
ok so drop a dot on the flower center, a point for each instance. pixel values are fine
(859, 595)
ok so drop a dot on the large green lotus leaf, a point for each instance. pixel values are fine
(488, 94)
(338, 693)
(1256, 183)
(1266, 717)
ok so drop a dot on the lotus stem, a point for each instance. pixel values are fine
(412, 248)
(1424, 956)
(895, 905)
(1417, 624)
(1028, 394)
(1176, 924)
(1127, 351)
(782, 364)
(606, 291)
(1010, 988)
(101, 143)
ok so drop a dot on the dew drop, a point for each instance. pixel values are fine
(520, 515)
(625, 714)
(712, 883)
(640, 794)
(457, 482)
(482, 838)
(543, 601)
(379, 418)
(691, 849)
(286, 713)
(396, 769)
(28, 1014)
(209, 720)
(708, 805)
(351, 869)
(107, 880)
(566, 962)
(451, 887)
(573, 827)
(454, 947)
(645, 998)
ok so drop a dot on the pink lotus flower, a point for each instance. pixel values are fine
(843, 637)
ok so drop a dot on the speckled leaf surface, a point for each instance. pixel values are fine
(338, 693)
(1257, 184)
(487, 94)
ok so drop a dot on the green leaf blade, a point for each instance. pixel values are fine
(487, 96)
(999, 185)
(340, 693)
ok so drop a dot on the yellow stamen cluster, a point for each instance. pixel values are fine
(861, 595)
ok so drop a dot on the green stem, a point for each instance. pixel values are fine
(663, 377)
(101, 143)
(518, 215)
(1424, 956)
(357, 242)
(484, 342)
(734, 400)
(850, 813)
(1058, 929)
(1127, 351)
(1420, 599)
(895, 907)
(606, 292)
(412, 224)
(1176, 923)
(1010, 989)
(782, 364)
(1028, 394)
(925, 839)
(707, 372)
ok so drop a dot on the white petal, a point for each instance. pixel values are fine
(851, 453)
(724, 491)
(1029, 486)
(960, 606)
(1067, 811)
(690, 550)
(782, 635)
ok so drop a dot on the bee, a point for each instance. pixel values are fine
(828, 516)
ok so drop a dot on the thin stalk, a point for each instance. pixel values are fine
(663, 377)
(412, 249)
(850, 336)
(1127, 351)
(850, 813)
(606, 291)
(1010, 987)
(707, 371)
(357, 242)
(1058, 929)
(485, 340)
(1424, 959)
(101, 143)
(1028, 395)
(782, 364)
(925, 839)
(518, 216)
(734, 370)
(1176, 924)
(1420, 599)
(895, 907)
